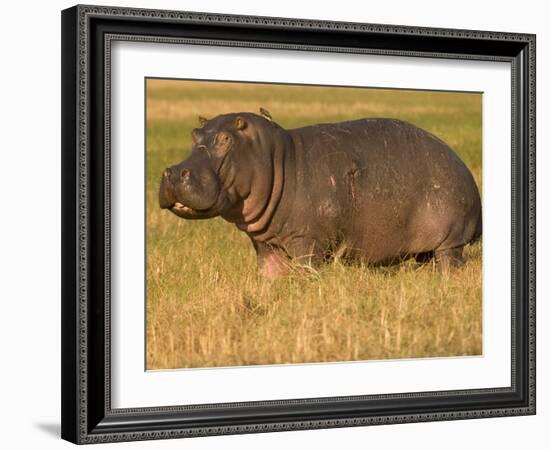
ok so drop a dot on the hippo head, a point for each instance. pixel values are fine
(230, 166)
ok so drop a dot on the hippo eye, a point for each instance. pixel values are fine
(223, 138)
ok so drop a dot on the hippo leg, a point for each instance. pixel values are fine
(272, 261)
(448, 258)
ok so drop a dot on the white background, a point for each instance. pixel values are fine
(133, 387)
(30, 225)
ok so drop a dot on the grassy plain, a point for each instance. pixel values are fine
(206, 305)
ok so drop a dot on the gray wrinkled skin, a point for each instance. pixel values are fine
(376, 190)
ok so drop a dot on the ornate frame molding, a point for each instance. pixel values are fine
(83, 421)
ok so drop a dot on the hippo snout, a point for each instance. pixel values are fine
(174, 179)
(187, 189)
(167, 197)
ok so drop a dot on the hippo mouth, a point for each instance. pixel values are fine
(180, 207)
(188, 212)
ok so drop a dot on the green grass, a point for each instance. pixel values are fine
(206, 306)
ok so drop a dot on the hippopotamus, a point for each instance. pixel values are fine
(377, 190)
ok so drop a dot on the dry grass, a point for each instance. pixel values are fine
(207, 307)
(188, 109)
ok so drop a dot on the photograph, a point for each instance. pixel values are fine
(278, 223)
(297, 224)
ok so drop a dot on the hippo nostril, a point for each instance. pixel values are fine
(185, 173)
(166, 173)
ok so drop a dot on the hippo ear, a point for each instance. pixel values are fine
(240, 123)
(202, 121)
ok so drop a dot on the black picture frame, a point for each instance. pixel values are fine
(87, 416)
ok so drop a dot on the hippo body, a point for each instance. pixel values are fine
(372, 190)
